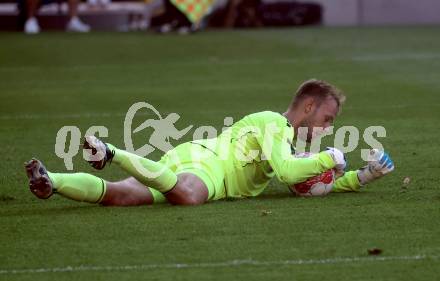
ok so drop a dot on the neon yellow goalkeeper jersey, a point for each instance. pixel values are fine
(259, 147)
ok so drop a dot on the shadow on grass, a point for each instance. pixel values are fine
(71, 207)
(83, 208)
(32, 211)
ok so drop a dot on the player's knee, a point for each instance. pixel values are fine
(185, 195)
(192, 199)
(189, 190)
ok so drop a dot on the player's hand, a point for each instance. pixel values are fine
(339, 159)
(379, 164)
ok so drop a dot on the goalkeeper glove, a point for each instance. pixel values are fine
(339, 159)
(379, 164)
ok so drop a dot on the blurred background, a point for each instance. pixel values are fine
(187, 16)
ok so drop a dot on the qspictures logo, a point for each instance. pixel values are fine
(163, 127)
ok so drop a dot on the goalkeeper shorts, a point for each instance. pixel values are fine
(197, 159)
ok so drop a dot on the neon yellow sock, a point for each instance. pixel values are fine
(79, 186)
(150, 173)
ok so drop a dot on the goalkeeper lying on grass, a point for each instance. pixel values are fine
(238, 163)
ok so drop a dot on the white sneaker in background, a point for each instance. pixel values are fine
(184, 30)
(31, 26)
(165, 28)
(76, 25)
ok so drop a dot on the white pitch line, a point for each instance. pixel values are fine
(232, 263)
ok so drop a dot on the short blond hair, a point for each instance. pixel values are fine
(318, 89)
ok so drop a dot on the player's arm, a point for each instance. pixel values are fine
(347, 183)
(379, 164)
(286, 166)
(296, 170)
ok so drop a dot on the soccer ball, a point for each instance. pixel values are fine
(319, 185)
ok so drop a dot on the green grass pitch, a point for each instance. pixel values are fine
(391, 78)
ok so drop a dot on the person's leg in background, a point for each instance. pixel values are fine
(172, 19)
(31, 25)
(75, 24)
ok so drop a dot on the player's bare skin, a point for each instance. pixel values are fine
(189, 190)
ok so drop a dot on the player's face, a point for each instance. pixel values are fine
(320, 117)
